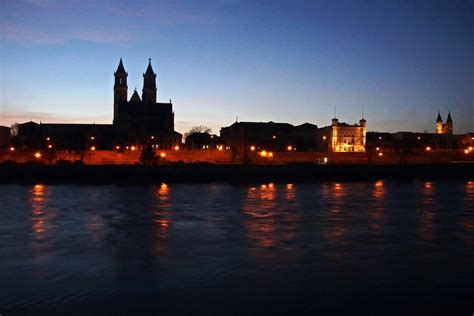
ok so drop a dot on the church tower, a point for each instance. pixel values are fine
(439, 124)
(449, 125)
(149, 85)
(120, 88)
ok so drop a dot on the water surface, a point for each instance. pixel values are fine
(349, 248)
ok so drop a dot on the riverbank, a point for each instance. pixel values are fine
(142, 174)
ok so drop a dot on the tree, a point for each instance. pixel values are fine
(198, 129)
(147, 155)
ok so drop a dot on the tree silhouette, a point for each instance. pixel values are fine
(197, 129)
(147, 155)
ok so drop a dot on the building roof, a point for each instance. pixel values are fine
(120, 68)
(135, 97)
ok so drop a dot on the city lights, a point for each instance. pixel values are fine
(162, 155)
(380, 154)
(12, 148)
(428, 148)
(377, 149)
(270, 154)
(263, 153)
(252, 148)
(117, 147)
(50, 146)
(324, 137)
(274, 137)
(48, 139)
(289, 148)
(176, 147)
(133, 148)
(92, 137)
(152, 137)
(38, 155)
(93, 148)
(220, 147)
(466, 151)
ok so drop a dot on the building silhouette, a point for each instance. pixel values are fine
(136, 121)
(141, 120)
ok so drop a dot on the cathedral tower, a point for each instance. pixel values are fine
(149, 85)
(449, 125)
(439, 124)
(120, 88)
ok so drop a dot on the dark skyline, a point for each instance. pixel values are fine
(281, 61)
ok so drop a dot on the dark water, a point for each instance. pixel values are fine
(346, 248)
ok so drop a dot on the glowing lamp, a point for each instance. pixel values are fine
(289, 148)
(377, 149)
(117, 147)
(252, 148)
(152, 137)
(274, 137)
(12, 148)
(220, 147)
(324, 137)
(50, 146)
(428, 148)
(380, 154)
(93, 148)
(162, 155)
(176, 147)
(380, 137)
(270, 154)
(466, 151)
(263, 153)
(38, 155)
(48, 139)
(92, 137)
(470, 148)
(133, 148)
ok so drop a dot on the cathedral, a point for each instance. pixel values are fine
(138, 121)
(447, 128)
(142, 119)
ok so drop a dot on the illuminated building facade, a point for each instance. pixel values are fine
(446, 129)
(342, 137)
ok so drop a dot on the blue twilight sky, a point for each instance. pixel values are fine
(285, 61)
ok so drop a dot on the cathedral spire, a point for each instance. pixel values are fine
(439, 119)
(449, 120)
(149, 70)
(120, 68)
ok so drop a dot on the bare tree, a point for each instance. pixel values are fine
(197, 129)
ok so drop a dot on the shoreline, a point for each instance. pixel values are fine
(203, 173)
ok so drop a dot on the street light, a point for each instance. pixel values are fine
(12, 148)
(428, 148)
(38, 155)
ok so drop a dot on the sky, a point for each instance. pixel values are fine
(399, 62)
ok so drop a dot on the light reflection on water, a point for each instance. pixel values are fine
(261, 242)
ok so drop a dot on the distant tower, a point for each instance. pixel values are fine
(448, 128)
(120, 88)
(149, 85)
(439, 124)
